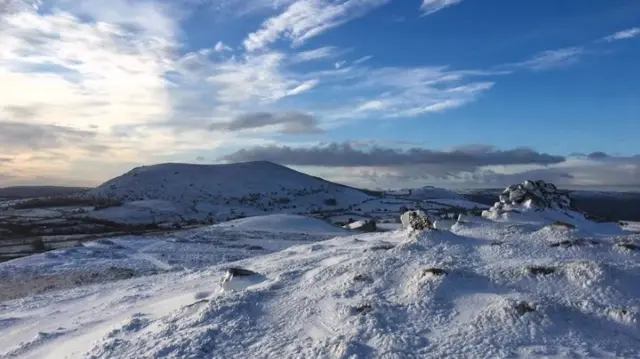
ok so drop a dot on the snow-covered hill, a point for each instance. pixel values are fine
(218, 192)
(509, 286)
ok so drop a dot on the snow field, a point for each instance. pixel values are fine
(484, 289)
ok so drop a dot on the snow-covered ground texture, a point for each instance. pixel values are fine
(124, 257)
(631, 226)
(220, 191)
(485, 289)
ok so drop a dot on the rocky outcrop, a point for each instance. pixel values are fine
(532, 195)
(539, 194)
(416, 220)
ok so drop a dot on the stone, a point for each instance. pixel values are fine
(434, 271)
(380, 247)
(580, 242)
(362, 278)
(562, 225)
(240, 272)
(540, 270)
(523, 308)
(365, 225)
(363, 309)
(416, 220)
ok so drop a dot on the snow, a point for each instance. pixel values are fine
(165, 191)
(284, 223)
(631, 226)
(486, 288)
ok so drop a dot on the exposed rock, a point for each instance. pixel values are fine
(540, 270)
(536, 195)
(580, 242)
(627, 243)
(434, 271)
(240, 272)
(523, 308)
(365, 225)
(380, 247)
(363, 309)
(416, 220)
(362, 278)
(562, 225)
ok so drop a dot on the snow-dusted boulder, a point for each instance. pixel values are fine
(365, 225)
(530, 196)
(417, 220)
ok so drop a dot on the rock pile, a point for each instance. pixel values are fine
(533, 194)
(416, 220)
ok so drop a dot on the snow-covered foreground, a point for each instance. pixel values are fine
(486, 289)
(131, 256)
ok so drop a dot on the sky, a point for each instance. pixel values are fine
(373, 93)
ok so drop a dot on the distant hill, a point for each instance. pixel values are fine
(20, 192)
(224, 191)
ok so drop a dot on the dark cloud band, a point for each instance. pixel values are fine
(345, 155)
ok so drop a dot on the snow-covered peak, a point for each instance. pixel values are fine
(223, 191)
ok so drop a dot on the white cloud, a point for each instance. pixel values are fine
(362, 60)
(339, 64)
(260, 78)
(82, 72)
(405, 92)
(551, 59)
(221, 47)
(324, 52)
(303, 20)
(429, 7)
(623, 35)
(89, 78)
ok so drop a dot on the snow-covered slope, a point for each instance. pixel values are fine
(218, 192)
(486, 289)
(284, 223)
(124, 257)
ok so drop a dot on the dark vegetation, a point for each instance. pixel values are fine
(48, 202)
(19, 192)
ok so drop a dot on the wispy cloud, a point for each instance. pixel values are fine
(409, 92)
(324, 52)
(429, 7)
(221, 47)
(550, 59)
(362, 60)
(623, 35)
(260, 78)
(19, 135)
(303, 20)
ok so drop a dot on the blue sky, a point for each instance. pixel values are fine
(378, 93)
